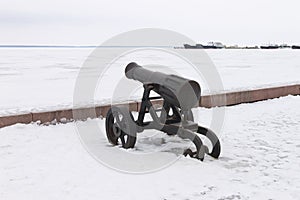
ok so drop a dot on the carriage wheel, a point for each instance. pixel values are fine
(120, 127)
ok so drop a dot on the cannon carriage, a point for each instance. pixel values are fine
(179, 96)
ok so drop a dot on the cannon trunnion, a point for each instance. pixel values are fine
(175, 117)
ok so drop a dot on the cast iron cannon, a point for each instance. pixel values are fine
(179, 95)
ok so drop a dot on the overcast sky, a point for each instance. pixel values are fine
(90, 22)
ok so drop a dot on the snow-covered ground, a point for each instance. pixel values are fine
(260, 160)
(34, 79)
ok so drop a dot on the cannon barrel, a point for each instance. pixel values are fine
(176, 90)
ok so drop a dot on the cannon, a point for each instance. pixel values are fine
(179, 95)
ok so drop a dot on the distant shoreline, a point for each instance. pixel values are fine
(171, 47)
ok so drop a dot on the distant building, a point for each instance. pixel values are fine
(284, 46)
(210, 45)
(217, 45)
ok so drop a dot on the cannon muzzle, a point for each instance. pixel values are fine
(176, 90)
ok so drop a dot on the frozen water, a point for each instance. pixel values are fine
(37, 79)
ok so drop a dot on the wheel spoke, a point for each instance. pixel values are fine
(122, 137)
(117, 116)
(116, 130)
(120, 122)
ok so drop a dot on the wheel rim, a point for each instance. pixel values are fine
(216, 150)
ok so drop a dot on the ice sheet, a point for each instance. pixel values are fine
(39, 79)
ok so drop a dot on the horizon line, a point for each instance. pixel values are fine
(67, 46)
(118, 46)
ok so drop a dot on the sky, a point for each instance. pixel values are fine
(91, 22)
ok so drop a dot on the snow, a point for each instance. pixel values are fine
(260, 160)
(260, 141)
(39, 79)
